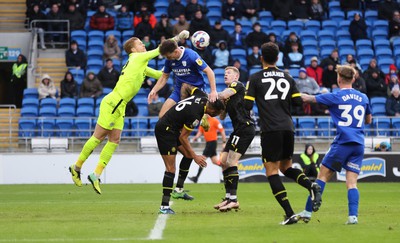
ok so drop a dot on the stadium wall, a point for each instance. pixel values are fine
(149, 168)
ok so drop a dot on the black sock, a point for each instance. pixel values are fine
(199, 172)
(280, 194)
(183, 171)
(299, 177)
(227, 186)
(233, 179)
(168, 183)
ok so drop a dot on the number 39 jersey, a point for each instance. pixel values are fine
(348, 108)
(273, 90)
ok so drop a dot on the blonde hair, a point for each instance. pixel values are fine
(346, 73)
(129, 44)
(233, 69)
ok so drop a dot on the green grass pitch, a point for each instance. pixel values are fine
(127, 213)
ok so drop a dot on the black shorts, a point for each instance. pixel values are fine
(277, 145)
(211, 149)
(167, 140)
(240, 139)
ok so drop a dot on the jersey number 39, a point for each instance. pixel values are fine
(281, 84)
(358, 114)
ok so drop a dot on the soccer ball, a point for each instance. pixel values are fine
(200, 39)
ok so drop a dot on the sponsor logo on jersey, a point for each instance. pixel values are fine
(370, 167)
(199, 61)
(195, 123)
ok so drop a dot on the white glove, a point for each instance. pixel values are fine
(182, 36)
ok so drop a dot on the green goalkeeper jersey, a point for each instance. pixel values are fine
(134, 72)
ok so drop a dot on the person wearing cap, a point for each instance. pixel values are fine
(392, 70)
(102, 20)
(218, 34)
(314, 71)
(91, 86)
(393, 102)
(294, 58)
(256, 37)
(358, 28)
(306, 84)
(231, 11)
(175, 9)
(163, 28)
(75, 57)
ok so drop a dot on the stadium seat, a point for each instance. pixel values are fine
(364, 63)
(379, 34)
(383, 53)
(84, 111)
(152, 126)
(95, 35)
(344, 25)
(334, 6)
(363, 44)
(126, 132)
(369, 130)
(46, 127)
(31, 93)
(152, 63)
(382, 126)
(230, 25)
(65, 127)
(327, 44)
(30, 102)
(48, 111)
(294, 72)
(371, 15)
(140, 100)
(116, 33)
(238, 53)
(66, 111)
(396, 126)
(29, 112)
(48, 102)
(79, 36)
(95, 45)
(67, 102)
(325, 127)
(343, 52)
(94, 64)
(308, 35)
(265, 16)
(345, 44)
(306, 126)
(350, 14)
(127, 34)
(139, 127)
(247, 26)
(85, 102)
(380, 25)
(326, 52)
(77, 73)
(330, 25)
(312, 25)
(326, 35)
(83, 127)
(94, 54)
(378, 100)
(378, 110)
(312, 44)
(295, 25)
(143, 110)
(214, 6)
(27, 127)
(278, 25)
(343, 35)
(278, 34)
(384, 64)
(365, 54)
(336, 16)
(214, 15)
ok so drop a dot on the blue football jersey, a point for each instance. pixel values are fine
(348, 108)
(188, 69)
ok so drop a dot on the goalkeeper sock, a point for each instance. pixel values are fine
(87, 149)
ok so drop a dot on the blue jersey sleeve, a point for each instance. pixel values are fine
(199, 63)
(368, 106)
(326, 99)
(167, 66)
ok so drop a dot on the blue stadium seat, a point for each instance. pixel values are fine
(238, 53)
(31, 93)
(265, 16)
(79, 35)
(95, 45)
(116, 33)
(295, 26)
(152, 126)
(383, 53)
(306, 126)
(46, 127)
(139, 127)
(365, 54)
(83, 127)
(140, 100)
(396, 126)
(214, 6)
(326, 52)
(294, 72)
(327, 44)
(278, 34)
(345, 44)
(325, 127)
(364, 63)
(350, 14)
(67, 102)
(48, 102)
(343, 52)
(308, 35)
(247, 26)
(30, 102)
(279, 25)
(313, 44)
(334, 6)
(27, 127)
(369, 130)
(337, 16)
(214, 15)
(378, 100)
(66, 111)
(96, 111)
(381, 44)
(330, 25)
(85, 102)
(143, 110)
(94, 54)
(344, 25)
(48, 111)
(77, 73)
(378, 110)
(127, 34)
(95, 35)
(29, 112)
(396, 43)
(384, 64)
(363, 44)
(380, 25)
(343, 35)
(371, 15)
(93, 64)
(229, 25)
(326, 35)
(65, 127)
(84, 111)
(126, 132)
(379, 34)
(312, 25)
(382, 126)
(98, 102)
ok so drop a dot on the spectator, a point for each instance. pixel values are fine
(155, 106)
(108, 75)
(281, 60)
(314, 71)
(358, 28)
(139, 16)
(102, 20)
(93, 4)
(79, 6)
(244, 75)
(218, 34)
(394, 27)
(35, 14)
(359, 82)
(386, 9)
(316, 11)
(347, 5)
(294, 59)
(18, 81)
(199, 22)
(138, 4)
(182, 24)
(163, 28)
(309, 162)
(272, 38)
(231, 11)
(238, 38)
(76, 19)
(333, 58)
(175, 9)
(144, 27)
(352, 62)
(254, 58)
(192, 7)
(91, 86)
(75, 57)
(124, 19)
(281, 9)
(394, 81)
(373, 67)
(222, 57)
(55, 15)
(131, 109)
(291, 39)
(329, 77)
(393, 102)
(148, 43)
(383, 146)
(300, 10)
(206, 55)
(69, 87)
(111, 48)
(250, 9)
(47, 89)
(256, 37)
(306, 84)
(376, 86)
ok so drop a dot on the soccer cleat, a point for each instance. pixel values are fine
(166, 211)
(95, 182)
(181, 195)
(229, 206)
(221, 204)
(76, 175)
(289, 220)
(352, 220)
(304, 215)
(194, 179)
(315, 194)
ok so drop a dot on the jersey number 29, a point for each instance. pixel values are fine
(281, 84)
(358, 114)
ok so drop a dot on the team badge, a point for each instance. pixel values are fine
(195, 123)
(184, 63)
(173, 149)
(199, 61)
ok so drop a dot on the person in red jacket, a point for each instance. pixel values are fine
(392, 70)
(138, 17)
(102, 20)
(315, 71)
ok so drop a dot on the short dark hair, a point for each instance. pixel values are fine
(168, 46)
(270, 52)
(217, 105)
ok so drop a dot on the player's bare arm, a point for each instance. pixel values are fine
(224, 95)
(159, 85)
(211, 78)
(308, 98)
(368, 119)
(184, 139)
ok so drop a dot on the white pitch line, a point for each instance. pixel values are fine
(157, 231)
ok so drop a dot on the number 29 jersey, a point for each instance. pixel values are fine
(348, 108)
(273, 90)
